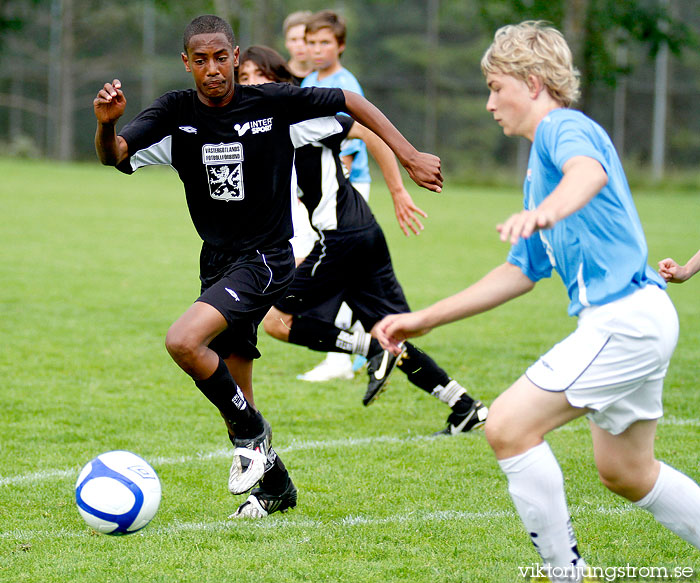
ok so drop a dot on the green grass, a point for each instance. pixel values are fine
(94, 266)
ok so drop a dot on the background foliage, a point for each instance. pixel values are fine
(417, 59)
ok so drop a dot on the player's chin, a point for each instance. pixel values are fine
(216, 90)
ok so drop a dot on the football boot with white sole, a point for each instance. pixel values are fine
(379, 369)
(473, 418)
(261, 503)
(250, 460)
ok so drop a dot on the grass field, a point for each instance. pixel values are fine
(94, 266)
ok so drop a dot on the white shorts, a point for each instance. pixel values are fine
(615, 361)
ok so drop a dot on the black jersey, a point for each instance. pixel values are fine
(326, 191)
(234, 161)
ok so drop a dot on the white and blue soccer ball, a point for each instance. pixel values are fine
(118, 492)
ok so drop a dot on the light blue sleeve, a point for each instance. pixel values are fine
(573, 136)
(531, 257)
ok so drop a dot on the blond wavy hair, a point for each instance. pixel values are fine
(534, 48)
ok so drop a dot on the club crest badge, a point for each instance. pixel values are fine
(224, 167)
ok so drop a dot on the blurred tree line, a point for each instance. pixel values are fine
(418, 60)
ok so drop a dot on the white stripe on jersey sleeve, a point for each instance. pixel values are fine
(312, 130)
(325, 215)
(160, 153)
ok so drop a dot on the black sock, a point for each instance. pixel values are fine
(422, 370)
(223, 392)
(425, 373)
(319, 335)
(275, 479)
(463, 405)
(374, 348)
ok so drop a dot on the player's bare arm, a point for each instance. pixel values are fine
(497, 287)
(109, 106)
(404, 207)
(583, 178)
(423, 168)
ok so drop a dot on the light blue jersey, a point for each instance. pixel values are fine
(599, 251)
(344, 79)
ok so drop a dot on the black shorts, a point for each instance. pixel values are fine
(243, 288)
(351, 266)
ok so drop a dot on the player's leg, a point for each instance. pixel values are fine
(305, 316)
(517, 423)
(276, 491)
(317, 334)
(277, 324)
(627, 466)
(421, 370)
(336, 365)
(187, 342)
(241, 370)
(276, 487)
(243, 295)
(379, 293)
(645, 327)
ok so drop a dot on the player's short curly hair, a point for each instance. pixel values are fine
(534, 48)
(207, 24)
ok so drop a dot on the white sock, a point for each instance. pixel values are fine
(343, 318)
(450, 393)
(675, 502)
(536, 485)
(339, 359)
(356, 342)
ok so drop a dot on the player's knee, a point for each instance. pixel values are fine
(180, 345)
(498, 435)
(628, 481)
(507, 436)
(277, 325)
(613, 480)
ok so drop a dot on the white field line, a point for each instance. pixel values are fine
(225, 452)
(44, 475)
(285, 521)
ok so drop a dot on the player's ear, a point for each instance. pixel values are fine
(236, 55)
(186, 61)
(535, 85)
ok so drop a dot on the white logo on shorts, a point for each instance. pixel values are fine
(234, 295)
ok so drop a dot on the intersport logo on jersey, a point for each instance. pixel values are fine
(255, 127)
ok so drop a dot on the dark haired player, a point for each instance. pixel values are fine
(233, 149)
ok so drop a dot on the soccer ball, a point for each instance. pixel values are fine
(117, 493)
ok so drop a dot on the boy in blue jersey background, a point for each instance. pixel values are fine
(578, 219)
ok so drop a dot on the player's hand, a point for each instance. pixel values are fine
(671, 271)
(406, 211)
(393, 330)
(110, 103)
(524, 224)
(424, 170)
